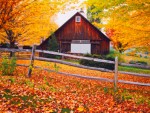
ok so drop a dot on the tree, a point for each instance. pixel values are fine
(117, 44)
(93, 15)
(129, 19)
(27, 21)
(52, 46)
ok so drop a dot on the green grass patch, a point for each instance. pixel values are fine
(72, 61)
(134, 69)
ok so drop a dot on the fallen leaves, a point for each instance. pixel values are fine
(51, 92)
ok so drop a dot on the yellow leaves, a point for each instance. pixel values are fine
(129, 19)
(80, 109)
(51, 111)
(28, 20)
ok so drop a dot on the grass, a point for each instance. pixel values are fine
(133, 69)
(72, 61)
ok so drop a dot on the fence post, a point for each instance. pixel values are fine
(116, 74)
(31, 61)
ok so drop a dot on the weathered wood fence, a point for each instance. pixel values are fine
(115, 71)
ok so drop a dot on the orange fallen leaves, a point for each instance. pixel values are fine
(51, 92)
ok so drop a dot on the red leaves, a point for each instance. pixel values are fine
(51, 92)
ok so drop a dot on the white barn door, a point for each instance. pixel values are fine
(81, 46)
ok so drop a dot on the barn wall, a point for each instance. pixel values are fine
(95, 48)
(104, 48)
(65, 47)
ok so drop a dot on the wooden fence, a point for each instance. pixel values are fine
(115, 71)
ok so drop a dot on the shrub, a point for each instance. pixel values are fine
(53, 46)
(7, 45)
(145, 56)
(52, 56)
(138, 62)
(88, 55)
(97, 56)
(97, 64)
(132, 62)
(8, 66)
(110, 57)
(142, 62)
(113, 54)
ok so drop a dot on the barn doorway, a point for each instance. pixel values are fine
(81, 46)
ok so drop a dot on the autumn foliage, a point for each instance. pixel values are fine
(24, 22)
(50, 92)
(129, 19)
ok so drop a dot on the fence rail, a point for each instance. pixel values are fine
(84, 67)
(71, 64)
(74, 56)
(79, 57)
(90, 77)
(15, 50)
(115, 80)
(135, 65)
(56, 53)
(135, 74)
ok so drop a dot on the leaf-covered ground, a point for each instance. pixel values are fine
(51, 92)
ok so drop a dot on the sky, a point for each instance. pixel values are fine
(62, 18)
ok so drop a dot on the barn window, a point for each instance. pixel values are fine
(78, 19)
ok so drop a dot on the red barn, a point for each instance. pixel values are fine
(78, 35)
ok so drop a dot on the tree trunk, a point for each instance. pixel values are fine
(12, 45)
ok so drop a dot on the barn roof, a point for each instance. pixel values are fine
(100, 33)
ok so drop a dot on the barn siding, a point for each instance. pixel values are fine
(95, 48)
(104, 49)
(78, 31)
(65, 47)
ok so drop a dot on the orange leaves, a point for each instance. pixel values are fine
(27, 21)
(52, 92)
